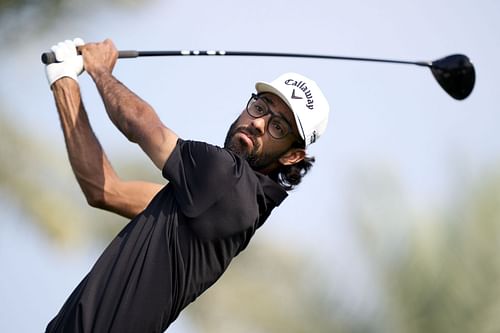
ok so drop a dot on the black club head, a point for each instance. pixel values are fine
(455, 74)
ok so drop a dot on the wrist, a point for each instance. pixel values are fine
(102, 78)
(64, 84)
(63, 81)
(99, 73)
(57, 71)
(69, 64)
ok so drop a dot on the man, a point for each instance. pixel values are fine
(182, 235)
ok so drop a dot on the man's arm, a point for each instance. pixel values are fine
(135, 118)
(98, 181)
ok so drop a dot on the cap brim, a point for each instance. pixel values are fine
(262, 87)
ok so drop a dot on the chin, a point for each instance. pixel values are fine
(238, 148)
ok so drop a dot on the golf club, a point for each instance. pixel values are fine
(454, 73)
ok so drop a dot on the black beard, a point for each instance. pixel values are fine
(254, 160)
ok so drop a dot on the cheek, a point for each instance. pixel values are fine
(276, 147)
(244, 118)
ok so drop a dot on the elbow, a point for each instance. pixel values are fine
(96, 200)
(111, 203)
(108, 201)
(100, 202)
(95, 190)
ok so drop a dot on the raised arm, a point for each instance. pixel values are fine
(98, 181)
(135, 118)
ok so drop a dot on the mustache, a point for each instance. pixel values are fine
(251, 132)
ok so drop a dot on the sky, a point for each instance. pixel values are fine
(385, 118)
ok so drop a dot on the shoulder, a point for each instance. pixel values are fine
(201, 173)
(200, 154)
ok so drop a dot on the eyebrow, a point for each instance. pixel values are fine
(267, 99)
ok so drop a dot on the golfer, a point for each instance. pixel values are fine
(183, 234)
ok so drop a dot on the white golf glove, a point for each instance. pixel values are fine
(69, 64)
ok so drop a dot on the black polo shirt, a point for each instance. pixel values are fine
(176, 248)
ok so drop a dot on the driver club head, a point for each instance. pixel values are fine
(455, 74)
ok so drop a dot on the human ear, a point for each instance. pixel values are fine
(293, 156)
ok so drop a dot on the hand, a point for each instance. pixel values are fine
(69, 64)
(99, 58)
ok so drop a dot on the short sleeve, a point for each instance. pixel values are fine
(200, 174)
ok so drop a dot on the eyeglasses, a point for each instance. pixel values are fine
(277, 126)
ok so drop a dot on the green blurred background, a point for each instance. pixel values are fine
(395, 230)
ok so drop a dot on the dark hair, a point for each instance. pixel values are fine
(289, 176)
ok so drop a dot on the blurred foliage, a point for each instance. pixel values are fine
(271, 289)
(55, 7)
(439, 270)
(27, 172)
(436, 267)
(38, 178)
(25, 19)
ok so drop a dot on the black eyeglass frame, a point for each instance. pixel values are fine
(288, 127)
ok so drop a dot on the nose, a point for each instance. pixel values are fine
(259, 124)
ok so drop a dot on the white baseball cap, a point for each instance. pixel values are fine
(305, 99)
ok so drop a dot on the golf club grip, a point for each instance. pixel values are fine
(50, 57)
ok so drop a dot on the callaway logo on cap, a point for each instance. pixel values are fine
(305, 99)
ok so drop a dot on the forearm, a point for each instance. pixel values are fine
(100, 184)
(135, 118)
(85, 153)
(128, 112)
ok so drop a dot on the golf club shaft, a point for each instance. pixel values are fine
(49, 57)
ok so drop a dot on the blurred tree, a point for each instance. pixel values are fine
(270, 289)
(35, 177)
(437, 269)
(27, 172)
(24, 19)
(443, 273)
(41, 182)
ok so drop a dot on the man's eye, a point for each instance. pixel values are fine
(278, 127)
(260, 109)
